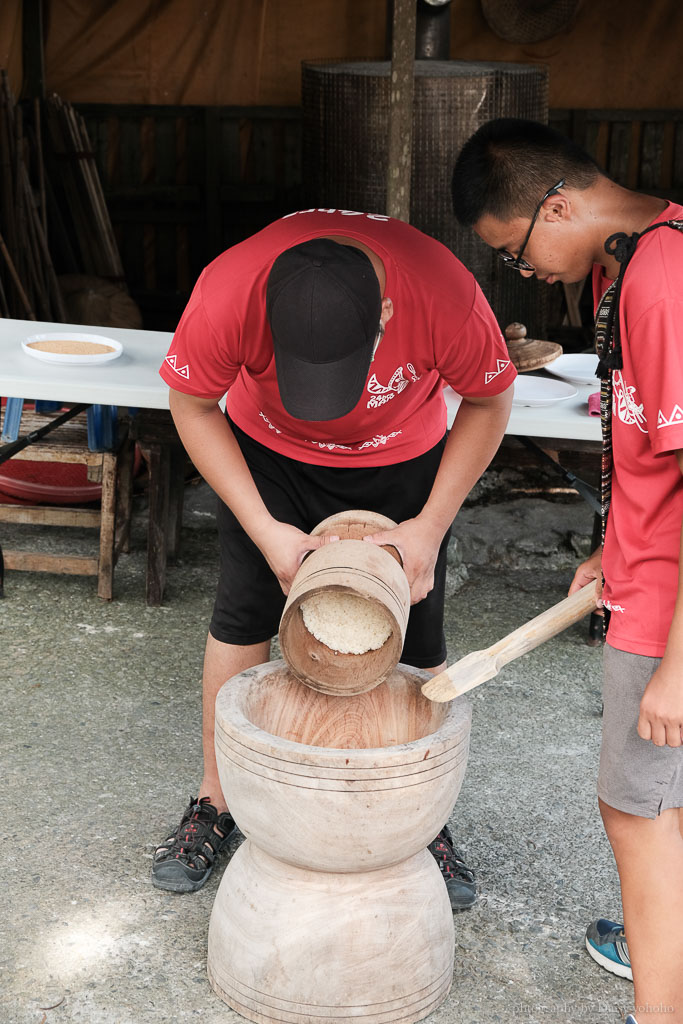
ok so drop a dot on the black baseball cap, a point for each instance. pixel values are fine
(323, 304)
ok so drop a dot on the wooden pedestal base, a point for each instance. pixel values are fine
(292, 946)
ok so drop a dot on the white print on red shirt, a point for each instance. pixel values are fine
(328, 446)
(501, 364)
(381, 393)
(628, 411)
(613, 607)
(343, 213)
(182, 371)
(271, 425)
(375, 442)
(673, 420)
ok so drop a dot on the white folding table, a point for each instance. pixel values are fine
(132, 381)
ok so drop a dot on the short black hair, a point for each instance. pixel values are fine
(508, 164)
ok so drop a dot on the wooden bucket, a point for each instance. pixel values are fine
(349, 566)
(333, 909)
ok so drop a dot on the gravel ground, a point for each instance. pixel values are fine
(100, 751)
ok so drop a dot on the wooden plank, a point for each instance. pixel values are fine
(165, 152)
(70, 565)
(195, 129)
(161, 110)
(111, 169)
(154, 426)
(263, 160)
(590, 143)
(597, 114)
(166, 256)
(231, 167)
(184, 276)
(32, 49)
(41, 515)
(649, 171)
(55, 453)
(292, 170)
(130, 156)
(678, 155)
(148, 151)
(105, 573)
(181, 143)
(171, 194)
(124, 496)
(176, 494)
(213, 225)
(634, 155)
(133, 252)
(619, 158)
(149, 244)
(158, 461)
(667, 158)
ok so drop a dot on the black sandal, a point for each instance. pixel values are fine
(459, 879)
(186, 858)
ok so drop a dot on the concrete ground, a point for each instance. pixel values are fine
(100, 751)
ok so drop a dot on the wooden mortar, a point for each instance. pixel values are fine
(333, 910)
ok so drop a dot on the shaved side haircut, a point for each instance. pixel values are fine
(508, 164)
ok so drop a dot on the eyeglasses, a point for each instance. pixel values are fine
(516, 262)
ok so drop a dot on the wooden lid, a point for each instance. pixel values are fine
(529, 353)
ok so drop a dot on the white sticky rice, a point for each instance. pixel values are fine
(346, 623)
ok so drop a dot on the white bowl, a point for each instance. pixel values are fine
(84, 358)
(577, 367)
(530, 390)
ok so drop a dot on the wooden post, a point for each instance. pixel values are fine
(401, 109)
(33, 55)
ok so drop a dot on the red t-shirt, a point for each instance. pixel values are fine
(442, 330)
(641, 556)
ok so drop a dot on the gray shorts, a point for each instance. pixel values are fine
(635, 776)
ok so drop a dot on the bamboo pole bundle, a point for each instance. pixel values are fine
(80, 180)
(48, 178)
(17, 270)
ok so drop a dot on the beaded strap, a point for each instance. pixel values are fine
(608, 347)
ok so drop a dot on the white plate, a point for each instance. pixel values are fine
(84, 358)
(531, 390)
(579, 368)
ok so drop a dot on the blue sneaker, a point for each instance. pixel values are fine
(630, 1019)
(606, 943)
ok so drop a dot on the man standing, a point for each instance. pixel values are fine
(546, 208)
(332, 332)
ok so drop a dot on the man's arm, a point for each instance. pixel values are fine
(211, 444)
(661, 708)
(472, 442)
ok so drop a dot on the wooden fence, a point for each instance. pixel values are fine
(641, 149)
(184, 183)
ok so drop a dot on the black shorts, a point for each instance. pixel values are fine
(249, 600)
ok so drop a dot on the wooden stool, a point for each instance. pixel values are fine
(113, 469)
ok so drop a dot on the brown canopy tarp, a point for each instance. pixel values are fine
(227, 52)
